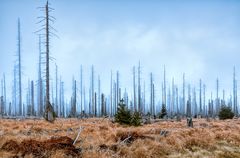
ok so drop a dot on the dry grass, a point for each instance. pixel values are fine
(101, 138)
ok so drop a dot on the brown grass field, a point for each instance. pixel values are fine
(101, 138)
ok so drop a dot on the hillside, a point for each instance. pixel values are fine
(102, 138)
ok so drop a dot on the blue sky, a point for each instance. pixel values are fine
(200, 38)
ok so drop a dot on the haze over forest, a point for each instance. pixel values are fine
(200, 39)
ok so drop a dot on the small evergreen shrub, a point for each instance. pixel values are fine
(163, 111)
(136, 119)
(123, 115)
(225, 113)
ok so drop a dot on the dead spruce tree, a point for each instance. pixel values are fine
(49, 113)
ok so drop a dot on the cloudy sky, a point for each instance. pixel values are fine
(200, 38)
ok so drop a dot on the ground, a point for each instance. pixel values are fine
(101, 138)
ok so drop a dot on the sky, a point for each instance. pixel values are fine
(200, 38)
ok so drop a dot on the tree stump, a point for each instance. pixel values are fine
(189, 122)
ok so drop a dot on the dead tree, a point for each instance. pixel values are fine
(204, 100)
(152, 107)
(56, 88)
(164, 102)
(95, 104)
(144, 98)
(103, 106)
(1, 106)
(81, 88)
(92, 92)
(176, 101)
(189, 110)
(173, 99)
(126, 98)
(19, 71)
(61, 99)
(28, 99)
(2, 99)
(139, 88)
(40, 82)
(4, 92)
(235, 110)
(210, 107)
(49, 114)
(74, 98)
(134, 90)
(223, 98)
(200, 98)
(99, 95)
(14, 90)
(114, 96)
(111, 95)
(183, 101)
(32, 98)
(117, 88)
(60, 113)
(217, 101)
(194, 103)
(153, 100)
(84, 100)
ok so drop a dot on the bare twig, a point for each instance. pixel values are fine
(125, 140)
(79, 132)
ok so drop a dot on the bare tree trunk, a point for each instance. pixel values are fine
(19, 72)
(2, 99)
(200, 97)
(204, 99)
(92, 91)
(99, 95)
(56, 89)
(173, 98)
(84, 99)
(40, 86)
(134, 90)
(32, 98)
(90, 103)
(126, 98)
(81, 88)
(60, 98)
(234, 93)
(164, 88)
(194, 104)
(144, 98)
(183, 105)
(151, 94)
(74, 99)
(139, 88)
(153, 87)
(176, 101)
(14, 93)
(103, 106)
(189, 113)
(49, 112)
(217, 98)
(95, 104)
(111, 99)
(115, 97)
(117, 88)
(1, 105)
(4, 92)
